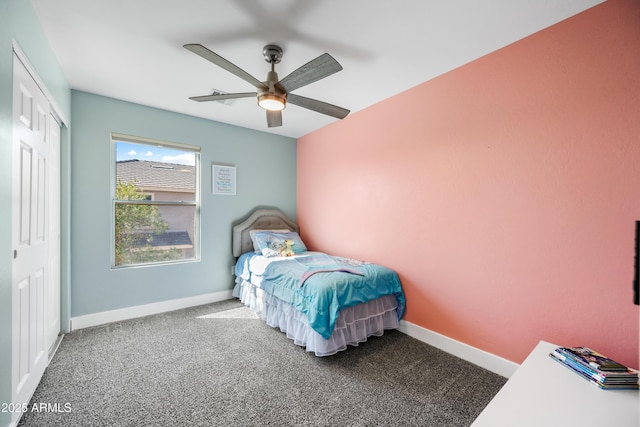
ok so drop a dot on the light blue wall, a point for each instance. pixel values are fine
(19, 24)
(266, 176)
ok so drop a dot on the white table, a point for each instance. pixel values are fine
(543, 393)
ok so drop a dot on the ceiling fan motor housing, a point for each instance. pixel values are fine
(273, 94)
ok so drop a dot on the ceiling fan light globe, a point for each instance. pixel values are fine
(271, 102)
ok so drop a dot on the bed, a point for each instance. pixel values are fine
(322, 302)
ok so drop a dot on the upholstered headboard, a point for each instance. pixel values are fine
(260, 219)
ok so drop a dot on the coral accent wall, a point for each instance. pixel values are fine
(504, 193)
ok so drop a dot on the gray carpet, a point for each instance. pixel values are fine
(218, 365)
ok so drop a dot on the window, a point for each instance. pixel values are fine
(156, 201)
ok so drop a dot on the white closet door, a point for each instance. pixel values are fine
(30, 233)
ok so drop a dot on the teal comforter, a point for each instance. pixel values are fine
(320, 285)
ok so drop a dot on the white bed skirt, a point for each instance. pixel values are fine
(354, 324)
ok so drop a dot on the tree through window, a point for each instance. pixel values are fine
(155, 201)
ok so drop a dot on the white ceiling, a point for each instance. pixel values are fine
(132, 49)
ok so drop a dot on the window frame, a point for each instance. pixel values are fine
(196, 203)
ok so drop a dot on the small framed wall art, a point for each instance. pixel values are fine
(223, 180)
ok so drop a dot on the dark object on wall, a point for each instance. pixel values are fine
(636, 267)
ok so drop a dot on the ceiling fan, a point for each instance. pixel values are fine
(273, 94)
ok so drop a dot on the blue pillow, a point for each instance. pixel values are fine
(253, 233)
(273, 244)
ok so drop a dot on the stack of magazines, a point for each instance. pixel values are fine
(598, 369)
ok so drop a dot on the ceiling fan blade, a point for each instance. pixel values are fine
(318, 106)
(202, 51)
(222, 96)
(319, 68)
(274, 118)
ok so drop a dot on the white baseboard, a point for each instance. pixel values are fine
(464, 351)
(95, 319)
